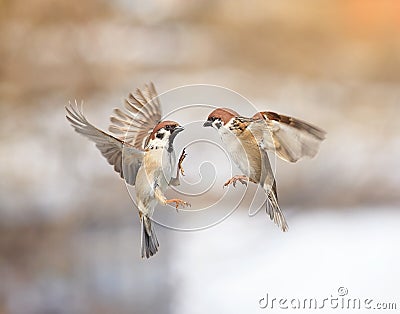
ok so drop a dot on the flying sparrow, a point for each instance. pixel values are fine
(141, 151)
(247, 141)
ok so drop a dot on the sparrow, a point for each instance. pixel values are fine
(247, 141)
(141, 150)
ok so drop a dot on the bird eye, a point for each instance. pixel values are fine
(167, 127)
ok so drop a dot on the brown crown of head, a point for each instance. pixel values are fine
(225, 114)
(161, 125)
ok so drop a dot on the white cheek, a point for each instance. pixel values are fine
(161, 142)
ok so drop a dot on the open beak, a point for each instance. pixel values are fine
(207, 123)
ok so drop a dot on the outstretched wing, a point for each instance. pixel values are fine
(143, 112)
(290, 138)
(125, 158)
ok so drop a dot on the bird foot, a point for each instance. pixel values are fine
(178, 202)
(233, 180)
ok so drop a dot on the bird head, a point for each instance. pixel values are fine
(164, 134)
(220, 117)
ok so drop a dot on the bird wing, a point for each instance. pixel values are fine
(143, 112)
(290, 138)
(125, 158)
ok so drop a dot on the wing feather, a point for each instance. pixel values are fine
(142, 113)
(290, 138)
(125, 158)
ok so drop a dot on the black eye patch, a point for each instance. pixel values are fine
(160, 135)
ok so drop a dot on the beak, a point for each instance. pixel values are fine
(207, 123)
(178, 129)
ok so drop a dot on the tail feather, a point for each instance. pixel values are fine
(274, 211)
(149, 242)
(268, 183)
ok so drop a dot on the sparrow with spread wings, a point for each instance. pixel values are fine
(141, 151)
(247, 141)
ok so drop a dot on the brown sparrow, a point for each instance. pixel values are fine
(141, 151)
(247, 141)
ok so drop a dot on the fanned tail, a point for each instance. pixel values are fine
(149, 242)
(274, 211)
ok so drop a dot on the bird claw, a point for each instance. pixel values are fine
(178, 202)
(233, 180)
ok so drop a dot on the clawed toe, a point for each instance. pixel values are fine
(233, 180)
(178, 202)
(241, 181)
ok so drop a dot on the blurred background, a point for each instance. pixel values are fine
(69, 234)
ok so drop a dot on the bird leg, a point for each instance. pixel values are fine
(241, 178)
(163, 200)
(177, 202)
(175, 181)
(180, 168)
